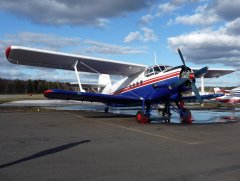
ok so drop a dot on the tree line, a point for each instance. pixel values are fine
(30, 86)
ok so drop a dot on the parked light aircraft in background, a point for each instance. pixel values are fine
(231, 96)
(141, 86)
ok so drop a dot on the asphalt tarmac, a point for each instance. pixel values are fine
(86, 145)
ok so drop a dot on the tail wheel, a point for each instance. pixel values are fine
(141, 118)
(186, 116)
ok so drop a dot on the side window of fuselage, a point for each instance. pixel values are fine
(149, 72)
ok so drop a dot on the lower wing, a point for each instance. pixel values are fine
(91, 97)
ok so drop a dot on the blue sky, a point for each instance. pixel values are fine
(208, 33)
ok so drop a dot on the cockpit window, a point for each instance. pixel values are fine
(149, 72)
(152, 71)
(168, 67)
(157, 69)
(162, 67)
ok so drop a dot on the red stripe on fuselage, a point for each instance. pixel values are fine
(147, 82)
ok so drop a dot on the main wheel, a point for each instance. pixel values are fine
(141, 118)
(186, 116)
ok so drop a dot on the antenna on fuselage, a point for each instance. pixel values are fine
(155, 58)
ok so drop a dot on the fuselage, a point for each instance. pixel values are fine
(150, 85)
(232, 96)
(228, 99)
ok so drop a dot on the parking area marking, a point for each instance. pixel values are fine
(76, 115)
(140, 131)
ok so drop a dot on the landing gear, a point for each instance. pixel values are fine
(186, 116)
(141, 117)
(166, 113)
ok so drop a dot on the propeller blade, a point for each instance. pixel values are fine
(196, 92)
(200, 72)
(181, 56)
(178, 83)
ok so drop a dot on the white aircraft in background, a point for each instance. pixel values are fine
(231, 96)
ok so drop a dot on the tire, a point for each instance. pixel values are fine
(141, 118)
(186, 116)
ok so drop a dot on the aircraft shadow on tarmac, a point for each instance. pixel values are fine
(44, 153)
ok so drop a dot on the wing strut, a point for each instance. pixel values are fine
(78, 78)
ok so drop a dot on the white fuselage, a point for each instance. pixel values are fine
(139, 80)
(232, 97)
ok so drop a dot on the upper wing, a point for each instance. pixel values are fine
(91, 97)
(215, 72)
(193, 98)
(57, 60)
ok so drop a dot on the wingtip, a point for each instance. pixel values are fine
(48, 91)
(7, 51)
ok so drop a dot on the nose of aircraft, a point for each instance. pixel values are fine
(191, 76)
(187, 75)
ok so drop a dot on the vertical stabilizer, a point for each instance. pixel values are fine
(105, 81)
(217, 90)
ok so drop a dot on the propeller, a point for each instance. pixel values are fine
(200, 72)
(181, 56)
(189, 76)
(196, 92)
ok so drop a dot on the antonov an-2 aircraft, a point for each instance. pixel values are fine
(142, 86)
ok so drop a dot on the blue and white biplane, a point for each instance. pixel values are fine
(141, 86)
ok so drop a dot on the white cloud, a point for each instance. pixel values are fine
(148, 35)
(163, 9)
(211, 13)
(181, 2)
(147, 19)
(45, 40)
(133, 36)
(228, 10)
(166, 8)
(197, 19)
(74, 12)
(98, 47)
(209, 47)
(232, 27)
(203, 16)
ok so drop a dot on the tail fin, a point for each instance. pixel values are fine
(217, 90)
(105, 81)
